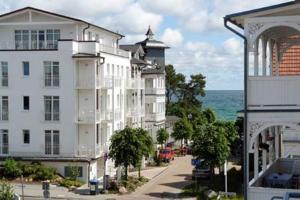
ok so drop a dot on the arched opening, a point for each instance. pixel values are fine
(276, 52)
(273, 157)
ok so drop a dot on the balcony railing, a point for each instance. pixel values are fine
(135, 84)
(106, 115)
(155, 91)
(88, 83)
(273, 91)
(155, 117)
(89, 116)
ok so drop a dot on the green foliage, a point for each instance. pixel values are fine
(128, 146)
(182, 130)
(209, 115)
(45, 173)
(132, 183)
(11, 168)
(181, 95)
(162, 136)
(210, 143)
(6, 191)
(74, 172)
(68, 183)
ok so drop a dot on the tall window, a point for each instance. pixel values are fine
(26, 103)
(3, 141)
(51, 104)
(52, 142)
(52, 38)
(4, 74)
(22, 39)
(51, 73)
(4, 107)
(26, 136)
(26, 69)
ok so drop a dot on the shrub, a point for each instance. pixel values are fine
(11, 168)
(69, 183)
(30, 169)
(45, 173)
(6, 191)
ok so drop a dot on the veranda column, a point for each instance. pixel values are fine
(277, 50)
(256, 158)
(264, 153)
(256, 53)
(276, 142)
(271, 45)
(264, 56)
(271, 148)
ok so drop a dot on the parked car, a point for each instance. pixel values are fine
(166, 155)
(201, 171)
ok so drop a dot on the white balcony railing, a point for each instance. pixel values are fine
(89, 116)
(155, 91)
(155, 117)
(135, 84)
(273, 91)
(83, 83)
(106, 115)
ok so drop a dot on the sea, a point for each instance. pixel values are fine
(225, 103)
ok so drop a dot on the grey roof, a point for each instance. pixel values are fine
(138, 61)
(132, 47)
(240, 14)
(151, 43)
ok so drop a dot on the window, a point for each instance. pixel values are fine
(107, 69)
(26, 136)
(118, 70)
(68, 171)
(4, 74)
(4, 107)
(51, 74)
(26, 69)
(52, 146)
(52, 38)
(97, 133)
(51, 106)
(89, 35)
(26, 102)
(22, 39)
(3, 141)
(97, 37)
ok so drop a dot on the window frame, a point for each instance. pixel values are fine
(26, 107)
(26, 65)
(26, 132)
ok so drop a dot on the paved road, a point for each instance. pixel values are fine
(168, 184)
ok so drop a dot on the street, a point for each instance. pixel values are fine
(168, 184)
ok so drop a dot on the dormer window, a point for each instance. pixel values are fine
(39, 39)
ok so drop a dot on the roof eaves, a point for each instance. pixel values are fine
(227, 17)
(59, 15)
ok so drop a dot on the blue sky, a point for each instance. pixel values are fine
(192, 28)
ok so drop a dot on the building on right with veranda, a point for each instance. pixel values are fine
(272, 100)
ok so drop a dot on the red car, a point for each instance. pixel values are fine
(166, 155)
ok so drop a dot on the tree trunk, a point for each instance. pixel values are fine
(126, 172)
(139, 171)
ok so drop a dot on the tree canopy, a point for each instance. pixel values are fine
(162, 136)
(182, 130)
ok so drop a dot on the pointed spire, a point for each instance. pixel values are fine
(149, 33)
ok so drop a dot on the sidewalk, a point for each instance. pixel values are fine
(34, 191)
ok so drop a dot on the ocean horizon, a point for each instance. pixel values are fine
(225, 103)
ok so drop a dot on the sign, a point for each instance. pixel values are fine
(196, 162)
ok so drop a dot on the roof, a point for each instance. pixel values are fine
(132, 47)
(150, 43)
(138, 61)
(232, 17)
(149, 32)
(60, 15)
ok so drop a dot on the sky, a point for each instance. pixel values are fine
(192, 28)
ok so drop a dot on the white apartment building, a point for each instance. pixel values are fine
(272, 101)
(65, 88)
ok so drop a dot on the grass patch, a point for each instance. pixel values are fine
(133, 182)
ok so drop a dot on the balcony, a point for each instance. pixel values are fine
(287, 172)
(135, 84)
(155, 91)
(107, 115)
(155, 117)
(88, 83)
(89, 117)
(273, 92)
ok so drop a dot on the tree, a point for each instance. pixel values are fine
(182, 130)
(124, 148)
(146, 146)
(162, 136)
(209, 115)
(210, 143)
(129, 146)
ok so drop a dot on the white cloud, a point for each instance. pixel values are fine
(172, 37)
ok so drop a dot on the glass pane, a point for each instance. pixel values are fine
(4, 108)
(41, 39)
(25, 38)
(34, 40)
(56, 74)
(50, 38)
(48, 142)
(55, 108)
(56, 142)
(5, 143)
(4, 74)
(26, 68)
(48, 108)
(48, 73)
(18, 39)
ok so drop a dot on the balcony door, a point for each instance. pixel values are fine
(3, 141)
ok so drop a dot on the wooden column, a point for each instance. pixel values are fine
(256, 59)
(256, 158)
(264, 56)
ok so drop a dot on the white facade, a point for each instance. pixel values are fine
(66, 87)
(272, 73)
